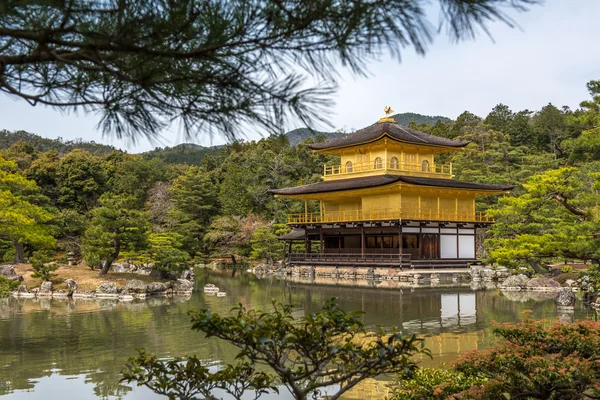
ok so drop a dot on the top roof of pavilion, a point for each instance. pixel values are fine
(392, 130)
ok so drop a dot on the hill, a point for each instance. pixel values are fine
(298, 135)
(185, 153)
(7, 139)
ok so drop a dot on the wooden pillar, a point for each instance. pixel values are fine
(321, 209)
(305, 241)
(321, 244)
(362, 241)
(305, 210)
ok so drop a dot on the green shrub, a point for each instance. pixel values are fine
(41, 268)
(548, 360)
(533, 360)
(431, 383)
(566, 269)
(7, 285)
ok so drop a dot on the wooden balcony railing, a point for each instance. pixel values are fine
(424, 168)
(387, 214)
(349, 258)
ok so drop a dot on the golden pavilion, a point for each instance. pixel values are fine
(388, 203)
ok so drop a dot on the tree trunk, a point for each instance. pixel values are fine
(234, 269)
(19, 253)
(539, 267)
(106, 264)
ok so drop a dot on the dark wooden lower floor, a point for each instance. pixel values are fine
(429, 246)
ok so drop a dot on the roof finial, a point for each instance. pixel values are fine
(388, 111)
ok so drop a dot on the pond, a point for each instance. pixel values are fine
(51, 349)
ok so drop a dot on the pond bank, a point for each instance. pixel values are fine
(81, 282)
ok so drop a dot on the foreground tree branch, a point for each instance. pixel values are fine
(210, 66)
(326, 352)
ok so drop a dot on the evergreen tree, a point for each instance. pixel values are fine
(210, 66)
(22, 221)
(116, 225)
(194, 202)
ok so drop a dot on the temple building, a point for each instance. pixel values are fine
(388, 203)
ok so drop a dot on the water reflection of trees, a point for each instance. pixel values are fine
(93, 339)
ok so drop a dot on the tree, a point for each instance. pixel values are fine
(326, 352)
(550, 128)
(194, 202)
(230, 236)
(209, 64)
(556, 217)
(81, 178)
(166, 253)
(265, 244)
(499, 118)
(21, 221)
(586, 122)
(40, 263)
(115, 226)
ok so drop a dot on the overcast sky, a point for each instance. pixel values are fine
(549, 59)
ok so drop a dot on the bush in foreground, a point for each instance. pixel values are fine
(325, 352)
(533, 360)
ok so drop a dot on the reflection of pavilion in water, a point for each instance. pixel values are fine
(420, 309)
(449, 317)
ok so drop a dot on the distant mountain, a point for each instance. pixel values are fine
(185, 153)
(39, 143)
(405, 118)
(301, 134)
(298, 135)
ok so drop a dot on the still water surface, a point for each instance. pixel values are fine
(52, 349)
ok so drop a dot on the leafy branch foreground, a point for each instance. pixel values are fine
(328, 352)
(532, 360)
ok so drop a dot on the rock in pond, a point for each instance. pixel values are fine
(182, 286)
(71, 285)
(45, 289)
(543, 284)
(156, 288)
(8, 272)
(515, 282)
(107, 290)
(566, 298)
(136, 286)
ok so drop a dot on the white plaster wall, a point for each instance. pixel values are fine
(448, 246)
(466, 246)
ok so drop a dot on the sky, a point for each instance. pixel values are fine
(549, 58)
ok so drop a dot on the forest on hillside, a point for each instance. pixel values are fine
(110, 205)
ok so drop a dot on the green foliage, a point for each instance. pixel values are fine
(166, 252)
(265, 244)
(81, 179)
(532, 360)
(567, 269)
(7, 285)
(22, 221)
(555, 217)
(41, 267)
(233, 59)
(171, 378)
(432, 383)
(328, 349)
(194, 202)
(115, 225)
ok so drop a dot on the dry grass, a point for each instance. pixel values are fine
(86, 278)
